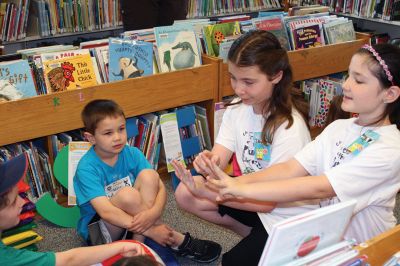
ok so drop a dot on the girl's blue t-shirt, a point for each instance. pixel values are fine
(93, 175)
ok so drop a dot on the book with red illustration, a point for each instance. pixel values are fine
(304, 234)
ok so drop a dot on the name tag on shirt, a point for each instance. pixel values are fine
(362, 142)
(113, 188)
(262, 152)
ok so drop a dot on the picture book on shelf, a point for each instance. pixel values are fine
(129, 59)
(275, 25)
(16, 81)
(62, 54)
(307, 36)
(76, 150)
(340, 32)
(177, 47)
(306, 233)
(171, 139)
(69, 73)
(215, 35)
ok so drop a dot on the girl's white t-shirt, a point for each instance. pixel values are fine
(372, 177)
(241, 131)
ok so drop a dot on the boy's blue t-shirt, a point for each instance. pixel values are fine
(92, 175)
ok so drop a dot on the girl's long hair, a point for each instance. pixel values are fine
(262, 49)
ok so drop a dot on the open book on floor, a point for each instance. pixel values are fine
(303, 234)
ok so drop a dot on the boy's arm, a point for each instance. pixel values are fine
(110, 213)
(96, 254)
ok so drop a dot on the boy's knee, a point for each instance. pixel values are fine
(148, 181)
(126, 197)
(183, 197)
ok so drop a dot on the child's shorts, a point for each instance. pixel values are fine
(102, 232)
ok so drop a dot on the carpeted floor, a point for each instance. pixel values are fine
(59, 239)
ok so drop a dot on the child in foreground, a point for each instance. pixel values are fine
(10, 207)
(117, 188)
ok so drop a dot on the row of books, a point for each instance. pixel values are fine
(39, 176)
(380, 9)
(22, 18)
(64, 67)
(205, 8)
(294, 32)
(319, 93)
(162, 49)
(14, 19)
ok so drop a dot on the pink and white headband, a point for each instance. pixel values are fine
(380, 60)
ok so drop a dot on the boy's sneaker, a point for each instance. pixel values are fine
(198, 250)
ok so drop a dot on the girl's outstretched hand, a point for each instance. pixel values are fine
(202, 160)
(226, 186)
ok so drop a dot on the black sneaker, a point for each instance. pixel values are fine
(198, 250)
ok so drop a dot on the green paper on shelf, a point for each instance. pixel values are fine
(61, 167)
(47, 207)
(59, 215)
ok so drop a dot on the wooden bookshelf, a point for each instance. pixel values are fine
(380, 248)
(309, 63)
(53, 113)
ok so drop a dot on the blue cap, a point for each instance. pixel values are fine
(12, 171)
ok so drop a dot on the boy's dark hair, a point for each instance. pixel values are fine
(261, 48)
(97, 110)
(143, 260)
(390, 54)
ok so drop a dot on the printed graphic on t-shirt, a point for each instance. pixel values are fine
(255, 155)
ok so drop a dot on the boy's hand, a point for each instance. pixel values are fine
(186, 177)
(202, 160)
(226, 186)
(142, 221)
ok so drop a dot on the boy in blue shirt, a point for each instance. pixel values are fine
(11, 204)
(118, 191)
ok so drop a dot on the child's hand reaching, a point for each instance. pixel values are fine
(185, 176)
(130, 249)
(202, 160)
(226, 186)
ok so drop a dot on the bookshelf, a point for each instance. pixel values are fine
(309, 63)
(374, 24)
(62, 38)
(53, 113)
(380, 248)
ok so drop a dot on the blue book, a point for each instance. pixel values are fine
(16, 80)
(129, 59)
